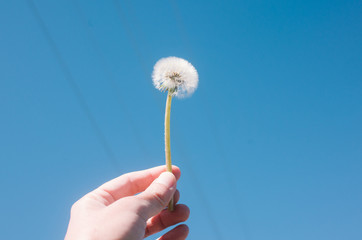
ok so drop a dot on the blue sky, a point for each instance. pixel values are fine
(270, 145)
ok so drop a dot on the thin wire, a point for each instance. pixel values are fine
(227, 171)
(197, 185)
(131, 37)
(111, 79)
(71, 81)
(134, 46)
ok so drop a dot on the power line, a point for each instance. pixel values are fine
(111, 79)
(134, 46)
(71, 81)
(232, 186)
(130, 36)
(197, 185)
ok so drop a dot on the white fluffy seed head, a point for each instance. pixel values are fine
(175, 75)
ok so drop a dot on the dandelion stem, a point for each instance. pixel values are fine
(167, 141)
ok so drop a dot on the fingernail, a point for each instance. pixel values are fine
(167, 179)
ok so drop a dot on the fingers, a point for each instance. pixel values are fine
(156, 197)
(166, 219)
(176, 197)
(178, 233)
(132, 183)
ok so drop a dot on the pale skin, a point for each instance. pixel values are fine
(114, 212)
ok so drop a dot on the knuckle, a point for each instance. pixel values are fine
(159, 199)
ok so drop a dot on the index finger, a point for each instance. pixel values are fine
(132, 183)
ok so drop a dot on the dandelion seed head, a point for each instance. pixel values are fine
(175, 75)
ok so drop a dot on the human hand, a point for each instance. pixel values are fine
(114, 212)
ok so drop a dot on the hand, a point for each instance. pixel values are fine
(114, 212)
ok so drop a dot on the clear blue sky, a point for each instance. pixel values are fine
(270, 145)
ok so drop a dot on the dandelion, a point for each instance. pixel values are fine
(175, 75)
(180, 79)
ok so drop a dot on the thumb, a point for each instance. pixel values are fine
(157, 195)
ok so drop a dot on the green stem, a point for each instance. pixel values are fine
(167, 141)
